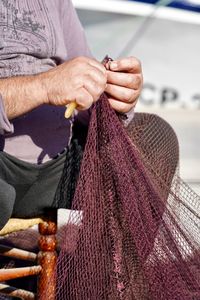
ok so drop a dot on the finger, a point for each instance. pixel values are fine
(132, 81)
(94, 88)
(97, 65)
(129, 64)
(97, 76)
(119, 106)
(122, 94)
(83, 99)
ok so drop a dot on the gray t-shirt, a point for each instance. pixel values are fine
(35, 36)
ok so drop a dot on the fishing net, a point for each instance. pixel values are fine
(133, 226)
(133, 230)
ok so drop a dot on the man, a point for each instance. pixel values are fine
(45, 64)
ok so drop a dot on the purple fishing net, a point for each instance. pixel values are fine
(133, 231)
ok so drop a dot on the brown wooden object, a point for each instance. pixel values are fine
(47, 258)
(17, 253)
(8, 274)
(14, 292)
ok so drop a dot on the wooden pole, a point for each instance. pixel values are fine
(47, 258)
(8, 274)
(14, 292)
(17, 253)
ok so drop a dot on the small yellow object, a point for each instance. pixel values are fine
(70, 109)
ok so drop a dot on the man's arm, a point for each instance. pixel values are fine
(81, 79)
(21, 94)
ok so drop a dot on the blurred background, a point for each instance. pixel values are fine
(165, 36)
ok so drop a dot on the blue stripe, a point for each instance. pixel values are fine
(186, 5)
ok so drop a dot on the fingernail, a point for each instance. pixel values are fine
(113, 65)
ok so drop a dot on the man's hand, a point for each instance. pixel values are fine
(82, 80)
(124, 83)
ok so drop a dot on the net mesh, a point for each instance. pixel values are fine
(133, 230)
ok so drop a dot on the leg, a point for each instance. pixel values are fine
(7, 199)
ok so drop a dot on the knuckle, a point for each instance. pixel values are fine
(136, 96)
(99, 81)
(88, 77)
(89, 102)
(103, 81)
(80, 59)
(138, 81)
(84, 100)
(129, 96)
(103, 73)
(96, 97)
(130, 80)
(99, 91)
(124, 95)
(77, 81)
(132, 97)
(136, 62)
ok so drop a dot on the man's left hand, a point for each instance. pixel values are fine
(124, 83)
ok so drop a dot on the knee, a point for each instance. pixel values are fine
(7, 199)
(158, 143)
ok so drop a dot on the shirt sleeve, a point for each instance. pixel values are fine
(5, 126)
(74, 36)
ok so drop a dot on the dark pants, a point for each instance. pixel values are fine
(26, 189)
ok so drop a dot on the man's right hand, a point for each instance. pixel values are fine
(81, 79)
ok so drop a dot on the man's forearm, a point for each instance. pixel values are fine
(21, 94)
(81, 79)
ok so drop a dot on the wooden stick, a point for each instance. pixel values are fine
(14, 292)
(8, 274)
(17, 253)
(47, 258)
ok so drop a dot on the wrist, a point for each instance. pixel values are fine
(21, 94)
(43, 83)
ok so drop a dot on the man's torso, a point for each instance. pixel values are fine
(33, 41)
